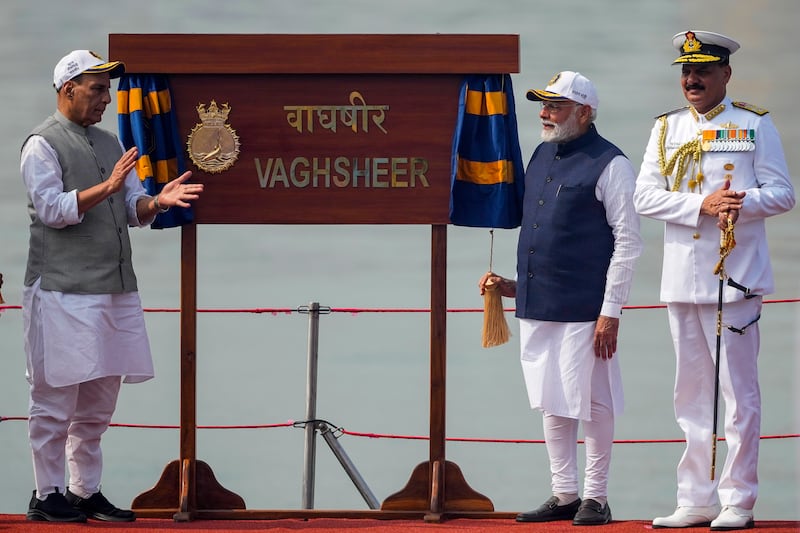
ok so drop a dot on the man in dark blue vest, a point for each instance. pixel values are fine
(577, 248)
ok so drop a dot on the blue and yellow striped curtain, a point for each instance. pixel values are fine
(146, 120)
(487, 173)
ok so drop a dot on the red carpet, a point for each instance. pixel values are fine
(18, 523)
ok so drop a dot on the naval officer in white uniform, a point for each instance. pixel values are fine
(714, 161)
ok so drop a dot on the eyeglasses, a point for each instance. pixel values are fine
(552, 107)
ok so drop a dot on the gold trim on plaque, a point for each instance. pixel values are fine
(212, 144)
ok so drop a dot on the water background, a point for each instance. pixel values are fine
(374, 368)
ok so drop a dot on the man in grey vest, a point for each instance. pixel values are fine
(578, 244)
(83, 321)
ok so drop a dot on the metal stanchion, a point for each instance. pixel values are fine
(312, 424)
(311, 406)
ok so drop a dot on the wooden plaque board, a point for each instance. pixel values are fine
(375, 117)
(364, 149)
(332, 129)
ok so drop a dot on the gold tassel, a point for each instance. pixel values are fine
(495, 327)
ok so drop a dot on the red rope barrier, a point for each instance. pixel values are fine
(244, 426)
(300, 424)
(531, 441)
(359, 310)
(355, 310)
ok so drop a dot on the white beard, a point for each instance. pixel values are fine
(566, 131)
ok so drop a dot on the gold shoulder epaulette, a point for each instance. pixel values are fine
(750, 107)
(673, 111)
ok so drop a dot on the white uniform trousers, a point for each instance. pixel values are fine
(65, 425)
(561, 436)
(694, 336)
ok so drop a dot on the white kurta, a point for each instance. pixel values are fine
(557, 363)
(73, 338)
(557, 357)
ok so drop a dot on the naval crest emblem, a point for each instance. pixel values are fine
(213, 145)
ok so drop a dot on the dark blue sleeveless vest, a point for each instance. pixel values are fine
(565, 243)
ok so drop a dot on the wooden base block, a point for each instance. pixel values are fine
(458, 495)
(209, 494)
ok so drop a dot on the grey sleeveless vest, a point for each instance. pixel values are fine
(93, 257)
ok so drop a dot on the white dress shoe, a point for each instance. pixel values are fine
(688, 517)
(733, 517)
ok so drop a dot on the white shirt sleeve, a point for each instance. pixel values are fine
(55, 207)
(615, 189)
(41, 173)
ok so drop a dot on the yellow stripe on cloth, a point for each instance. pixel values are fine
(166, 168)
(159, 101)
(122, 103)
(162, 171)
(135, 102)
(144, 167)
(485, 173)
(131, 101)
(489, 103)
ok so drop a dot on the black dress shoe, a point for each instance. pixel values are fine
(592, 513)
(550, 511)
(98, 507)
(54, 508)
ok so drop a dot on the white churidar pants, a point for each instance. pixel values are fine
(561, 436)
(562, 373)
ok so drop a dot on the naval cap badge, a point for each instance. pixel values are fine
(213, 145)
(692, 44)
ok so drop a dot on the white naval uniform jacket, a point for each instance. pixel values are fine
(692, 240)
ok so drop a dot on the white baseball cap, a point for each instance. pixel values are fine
(567, 85)
(79, 61)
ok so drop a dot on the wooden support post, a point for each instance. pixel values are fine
(438, 486)
(187, 485)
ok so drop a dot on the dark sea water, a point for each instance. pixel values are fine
(374, 367)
